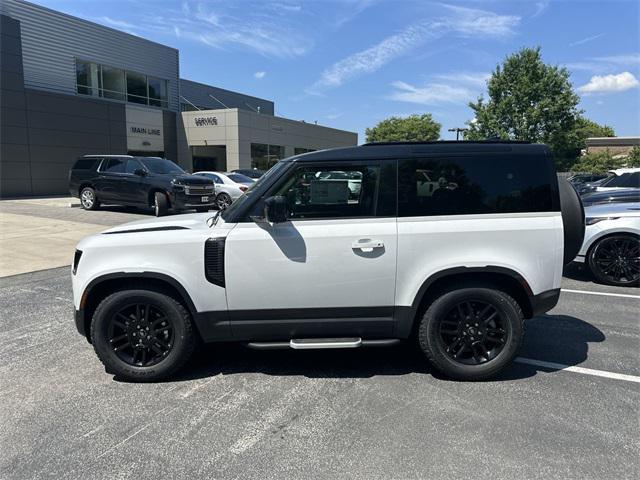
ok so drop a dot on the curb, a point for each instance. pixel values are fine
(74, 205)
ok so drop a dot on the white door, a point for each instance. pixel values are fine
(330, 270)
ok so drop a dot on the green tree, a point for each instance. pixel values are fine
(602, 162)
(576, 140)
(528, 100)
(416, 128)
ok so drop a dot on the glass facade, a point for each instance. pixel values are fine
(300, 150)
(264, 156)
(114, 83)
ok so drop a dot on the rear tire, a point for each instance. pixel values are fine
(88, 199)
(160, 204)
(166, 328)
(615, 260)
(471, 333)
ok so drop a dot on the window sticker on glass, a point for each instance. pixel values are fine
(328, 191)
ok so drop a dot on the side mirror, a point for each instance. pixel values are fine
(275, 209)
(139, 172)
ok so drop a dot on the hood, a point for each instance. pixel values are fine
(190, 221)
(186, 179)
(628, 209)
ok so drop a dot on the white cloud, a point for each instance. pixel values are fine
(430, 94)
(259, 75)
(610, 83)
(333, 116)
(541, 7)
(586, 40)
(462, 21)
(624, 59)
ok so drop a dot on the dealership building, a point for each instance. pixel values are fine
(69, 87)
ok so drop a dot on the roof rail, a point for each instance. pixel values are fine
(436, 142)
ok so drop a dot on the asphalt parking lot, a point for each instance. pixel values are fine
(568, 409)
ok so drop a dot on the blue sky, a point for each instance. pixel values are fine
(350, 63)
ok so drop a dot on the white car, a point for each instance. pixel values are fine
(611, 246)
(297, 262)
(620, 178)
(228, 186)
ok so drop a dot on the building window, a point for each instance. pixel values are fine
(117, 84)
(113, 83)
(264, 156)
(87, 78)
(300, 150)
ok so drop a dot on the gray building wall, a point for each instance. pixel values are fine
(198, 94)
(42, 133)
(51, 41)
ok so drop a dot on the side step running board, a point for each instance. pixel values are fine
(320, 343)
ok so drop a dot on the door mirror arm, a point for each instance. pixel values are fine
(140, 172)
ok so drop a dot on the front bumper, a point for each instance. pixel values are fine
(181, 200)
(545, 301)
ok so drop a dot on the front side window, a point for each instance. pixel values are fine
(161, 166)
(132, 166)
(626, 180)
(473, 185)
(340, 191)
(115, 165)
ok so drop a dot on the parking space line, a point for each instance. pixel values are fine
(606, 294)
(585, 371)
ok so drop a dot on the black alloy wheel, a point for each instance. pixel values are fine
(615, 260)
(141, 334)
(473, 332)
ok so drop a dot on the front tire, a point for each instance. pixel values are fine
(223, 201)
(615, 260)
(471, 333)
(142, 335)
(88, 199)
(160, 204)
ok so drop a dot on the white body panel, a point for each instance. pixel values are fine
(175, 253)
(531, 244)
(310, 263)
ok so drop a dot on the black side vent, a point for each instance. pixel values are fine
(214, 261)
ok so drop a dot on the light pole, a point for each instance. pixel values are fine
(458, 131)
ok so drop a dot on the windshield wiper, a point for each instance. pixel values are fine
(211, 221)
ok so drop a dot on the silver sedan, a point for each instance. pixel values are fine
(228, 186)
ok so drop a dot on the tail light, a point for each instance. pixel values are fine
(243, 188)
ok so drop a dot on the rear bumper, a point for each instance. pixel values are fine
(545, 301)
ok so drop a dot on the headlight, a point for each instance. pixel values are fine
(594, 220)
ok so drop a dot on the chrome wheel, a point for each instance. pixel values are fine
(87, 198)
(223, 201)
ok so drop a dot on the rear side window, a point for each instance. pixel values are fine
(340, 191)
(626, 180)
(474, 185)
(114, 165)
(85, 163)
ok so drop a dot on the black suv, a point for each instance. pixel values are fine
(139, 182)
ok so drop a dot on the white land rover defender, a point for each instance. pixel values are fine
(303, 260)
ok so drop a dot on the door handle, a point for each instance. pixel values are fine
(367, 244)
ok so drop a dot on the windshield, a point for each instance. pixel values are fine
(272, 172)
(161, 165)
(239, 178)
(625, 180)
